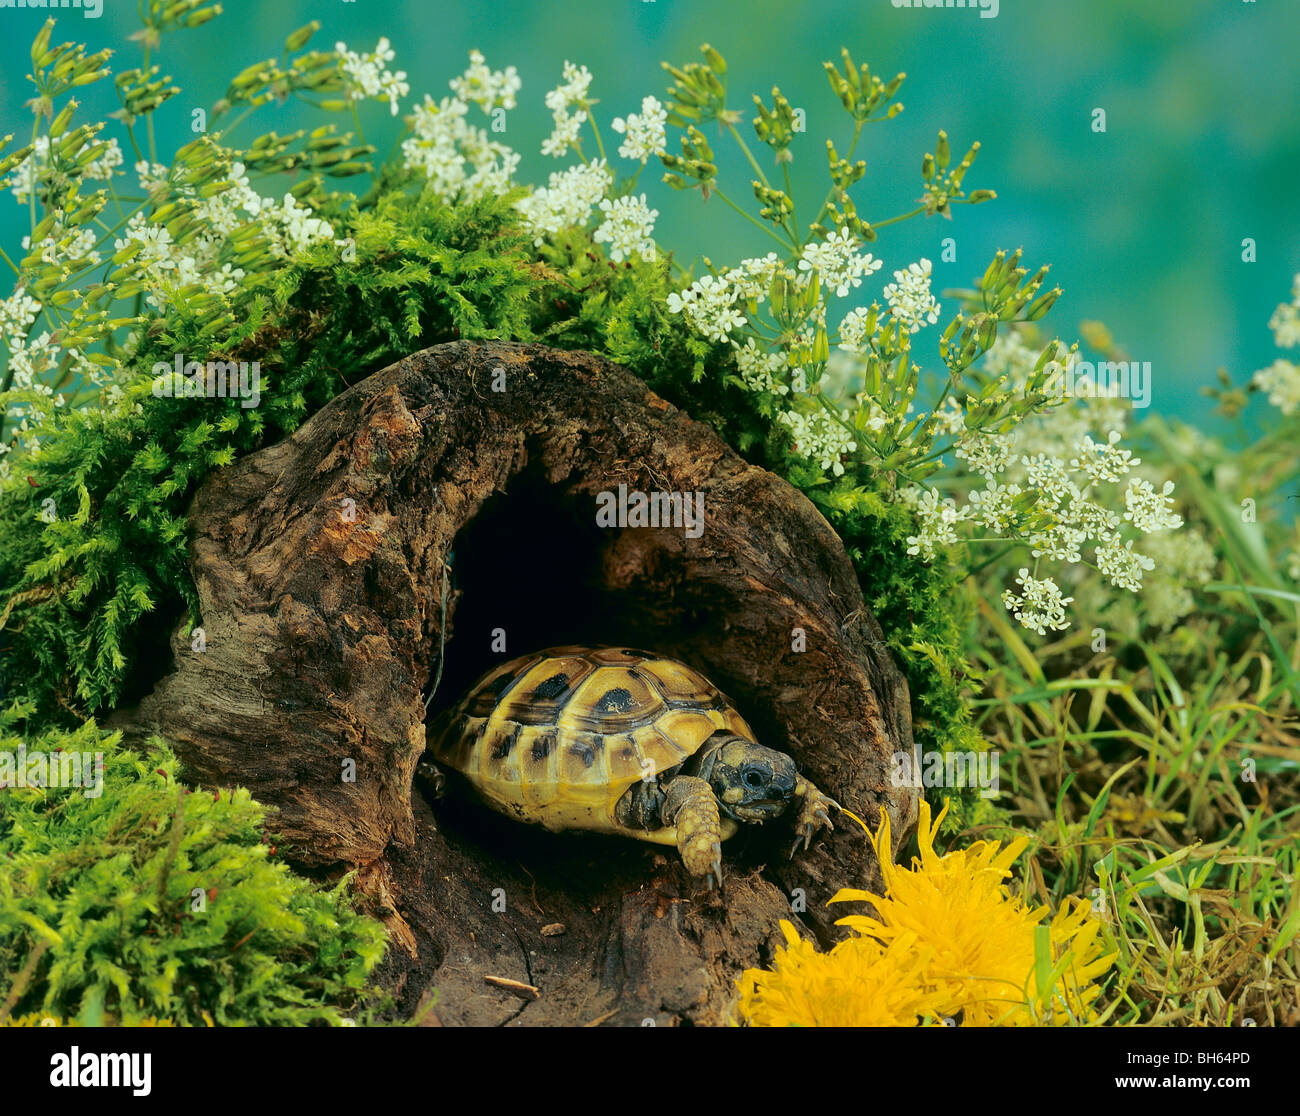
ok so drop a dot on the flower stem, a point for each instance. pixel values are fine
(794, 220)
(748, 154)
(752, 220)
(989, 561)
(901, 217)
(591, 118)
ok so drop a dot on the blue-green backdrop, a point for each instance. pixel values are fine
(1144, 224)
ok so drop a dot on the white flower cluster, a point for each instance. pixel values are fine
(939, 518)
(628, 228)
(1148, 510)
(719, 307)
(485, 87)
(31, 363)
(366, 76)
(853, 331)
(987, 454)
(570, 94)
(709, 304)
(567, 200)
(1281, 379)
(462, 162)
(645, 133)
(1285, 322)
(818, 437)
(837, 262)
(1055, 504)
(759, 368)
(911, 302)
(1104, 461)
(17, 313)
(1038, 605)
(458, 159)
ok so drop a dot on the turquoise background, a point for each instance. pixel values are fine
(1143, 225)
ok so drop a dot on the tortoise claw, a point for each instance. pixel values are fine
(814, 815)
(431, 778)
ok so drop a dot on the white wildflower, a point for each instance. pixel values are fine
(644, 132)
(628, 228)
(853, 330)
(1009, 356)
(17, 313)
(987, 454)
(1039, 604)
(1183, 559)
(566, 201)
(299, 228)
(910, 301)
(368, 77)
(950, 419)
(708, 305)
(1149, 510)
(1281, 380)
(1048, 475)
(572, 91)
(1122, 564)
(1060, 543)
(939, 517)
(564, 135)
(570, 94)
(1104, 461)
(993, 506)
(818, 437)
(837, 262)
(759, 368)
(752, 278)
(1285, 322)
(105, 163)
(1096, 522)
(485, 87)
(101, 167)
(443, 143)
(152, 176)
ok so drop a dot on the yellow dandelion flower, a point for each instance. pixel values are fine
(983, 950)
(859, 983)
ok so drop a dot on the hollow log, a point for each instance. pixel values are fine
(356, 578)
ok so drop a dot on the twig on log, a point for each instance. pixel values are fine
(516, 987)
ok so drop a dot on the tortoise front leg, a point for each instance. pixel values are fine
(814, 812)
(690, 806)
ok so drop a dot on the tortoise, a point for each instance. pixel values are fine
(617, 740)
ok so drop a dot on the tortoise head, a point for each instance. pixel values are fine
(751, 783)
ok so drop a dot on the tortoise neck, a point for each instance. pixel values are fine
(701, 764)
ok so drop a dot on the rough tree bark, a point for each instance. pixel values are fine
(424, 509)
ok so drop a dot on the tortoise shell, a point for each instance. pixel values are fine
(557, 737)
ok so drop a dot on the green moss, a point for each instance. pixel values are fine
(152, 901)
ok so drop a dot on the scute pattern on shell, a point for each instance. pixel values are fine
(557, 737)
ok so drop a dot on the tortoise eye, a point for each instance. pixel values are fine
(752, 778)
